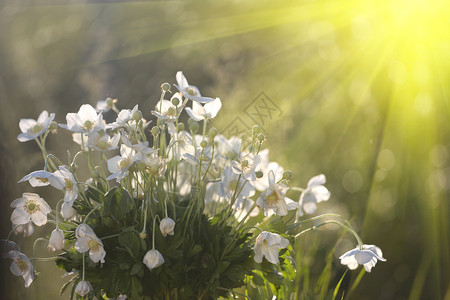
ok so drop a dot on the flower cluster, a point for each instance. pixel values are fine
(175, 203)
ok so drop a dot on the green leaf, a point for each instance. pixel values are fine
(117, 203)
(130, 241)
(137, 267)
(336, 289)
(136, 288)
(193, 251)
(277, 226)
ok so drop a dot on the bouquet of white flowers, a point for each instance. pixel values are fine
(175, 215)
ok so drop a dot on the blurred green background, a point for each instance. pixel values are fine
(357, 90)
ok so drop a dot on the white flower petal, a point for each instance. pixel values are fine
(321, 193)
(212, 108)
(317, 180)
(20, 216)
(39, 218)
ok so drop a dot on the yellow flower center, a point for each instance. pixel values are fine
(124, 163)
(43, 180)
(103, 145)
(68, 184)
(244, 163)
(36, 128)
(88, 125)
(191, 92)
(273, 198)
(31, 207)
(22, 265)
(93, 245)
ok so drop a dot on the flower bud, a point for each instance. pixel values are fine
(143, 235)
(287, 175)
(256, 129)
(95, 174)
(73, 168)
(56, 241)
(83, 288)
(175, 100)
(165, 87)
(67, 210)
(194, 127)
(203, 144)
(137, 115)
(180, 127)
(110, 102)
(153, 259)
(167, 225)
(213, 132)
(259, 174)
(97, 170)
(155, 130)
(171, 111)
(261, 137)
(53, 126)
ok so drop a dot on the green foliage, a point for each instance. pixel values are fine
(204, 259)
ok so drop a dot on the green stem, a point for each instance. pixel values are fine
(351, 230)
(153, 236)
(98, 206)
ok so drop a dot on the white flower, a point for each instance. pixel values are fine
(208, 111)
(88, 241)
(64, 179)
(247, 166)
(67, 210)
(119, 165)
(229, 148)
(85, 121)
(229, 186)
(165, 110)
(37, 178)
(31, 129)
(123, 117)
(189, 91)
(102, 141)
(181, 143)
(155, 165)
(21, 266)
(30, 207)
(314, 194)
(83, 288)
(141, 148)
(26, 229)
(153, 259)
(167, 225)
(367, 255)
(6, 246)
(273, 200)
(262, 183)
(268, 245)
(56, 241)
